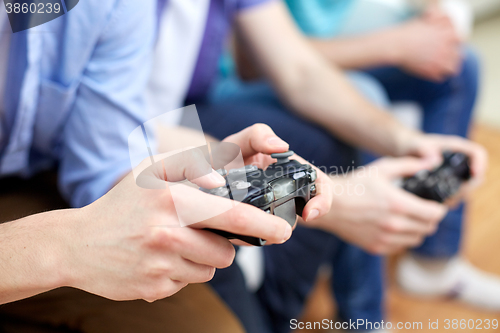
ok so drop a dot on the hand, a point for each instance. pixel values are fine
(428, 47)
(431, 147)
(129, 244)
(258, 142)
(369, 211)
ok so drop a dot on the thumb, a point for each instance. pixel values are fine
(394, 168)
(258, 138)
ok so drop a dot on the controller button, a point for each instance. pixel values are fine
(241, 185)
(313, 190)
(262, 200)
(313, 176)
(220, 191)
(243, 170)
(299, 175)
(283, 187)
(251, 168)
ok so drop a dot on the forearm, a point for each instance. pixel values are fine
(31, 255)
(325, 96)
(314, 88)
(370, 50)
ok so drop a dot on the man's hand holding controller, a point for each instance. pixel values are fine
(128, 244)
(387, 218)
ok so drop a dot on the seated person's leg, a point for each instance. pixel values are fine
(358, 284)
(447, 107)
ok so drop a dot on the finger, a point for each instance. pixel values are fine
(477, 154)
(190, 164)
(405, 225)
(321, 204)
(203, 247)
(397, 241)
(395, 168)
(250, 221)
(190, 272)
(410, 205)
(170, 288)
(258, 138)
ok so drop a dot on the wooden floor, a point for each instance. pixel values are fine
(481, 247)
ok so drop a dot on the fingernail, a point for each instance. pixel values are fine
(312, 215)
(288, 233)
(217, 179)
(277, 142)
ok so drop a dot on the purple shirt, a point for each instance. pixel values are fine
(219, 22)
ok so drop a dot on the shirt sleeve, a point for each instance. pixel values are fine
(109, 104)
(246, 4)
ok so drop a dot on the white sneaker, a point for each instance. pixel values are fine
(454, 278)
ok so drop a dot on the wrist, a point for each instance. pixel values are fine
(57, 252)
(405, 140)
(393, 47)
(33, 255)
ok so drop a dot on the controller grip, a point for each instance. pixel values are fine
(247, 239)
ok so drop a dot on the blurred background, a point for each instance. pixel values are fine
(480, 20)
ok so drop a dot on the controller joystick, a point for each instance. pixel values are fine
(283, 157)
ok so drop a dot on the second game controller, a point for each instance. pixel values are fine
(443, 182)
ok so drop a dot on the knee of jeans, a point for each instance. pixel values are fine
(470, 72)
(369, 87)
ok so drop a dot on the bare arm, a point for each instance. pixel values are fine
(428, 46)
(30, 255)
(370, 50)
(315, 89)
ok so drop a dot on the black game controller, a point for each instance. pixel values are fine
(443, 182)
(283, 189)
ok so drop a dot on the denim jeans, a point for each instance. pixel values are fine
(290, 269)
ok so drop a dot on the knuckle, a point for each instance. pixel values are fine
(392, 225)
(165, 288)
(207, 274)
(437, 214)
(161, 237)
(150, 294)
(432, 229)
(377, 249)
(383, 240)
(239, 218)
(418, 241)
(260, 128)
(227, 257)
(396, 206)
